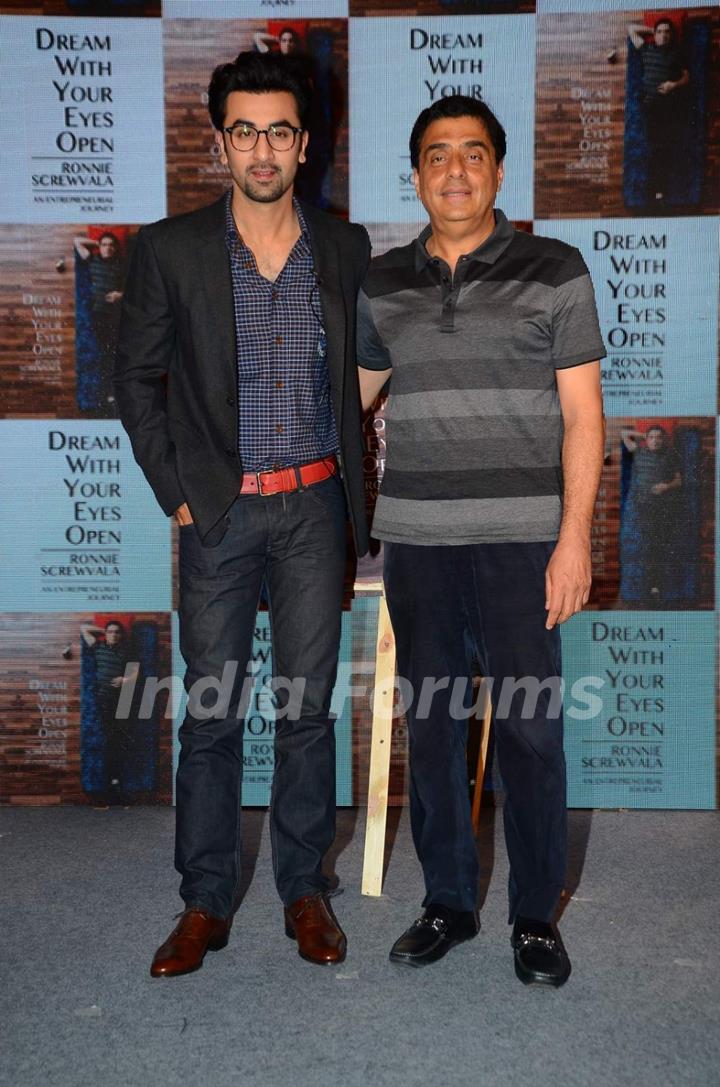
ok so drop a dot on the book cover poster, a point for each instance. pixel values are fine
(656, 286)
(399, 66)
(61, 290)
(84, 98)
(82, 720)
(440, 7)
(653, 530)
(255, 9)
(627, 113)
(88, 8)
(81, 527)
(640, 710)
(545, 7)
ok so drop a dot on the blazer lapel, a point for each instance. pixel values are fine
(332, 298)
(218, 287)
(216, 282)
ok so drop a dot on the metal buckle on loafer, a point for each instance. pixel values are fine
(435, 923)
(528, 940)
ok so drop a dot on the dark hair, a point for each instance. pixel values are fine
(457, 105)
(656, 426)
(115, 623)
(665, 22)
(258, 73)
(109, 234)
(289, 30)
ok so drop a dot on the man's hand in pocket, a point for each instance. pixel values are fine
(182, 515)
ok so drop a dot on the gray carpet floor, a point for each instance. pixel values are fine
(87, 895)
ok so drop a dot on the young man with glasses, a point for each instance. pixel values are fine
(236, 383)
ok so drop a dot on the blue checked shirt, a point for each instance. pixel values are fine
(284, 411)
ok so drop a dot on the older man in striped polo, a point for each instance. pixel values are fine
(494, 431)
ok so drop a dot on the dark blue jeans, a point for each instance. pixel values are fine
(295, 543)
(448, 604)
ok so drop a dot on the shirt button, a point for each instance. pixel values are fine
(278, 340)
(274, 296)
(229, 401)
(279, 428)
(278, 384)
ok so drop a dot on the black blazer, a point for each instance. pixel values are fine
(176, 372)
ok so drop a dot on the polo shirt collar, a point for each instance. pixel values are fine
(492, 248)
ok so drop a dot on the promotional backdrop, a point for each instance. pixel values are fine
(104, 124)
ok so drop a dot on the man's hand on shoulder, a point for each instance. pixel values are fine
(567, 580)
(182, 515)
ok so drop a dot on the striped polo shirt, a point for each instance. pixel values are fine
(473, 424)
(660, 64)
(110, 662)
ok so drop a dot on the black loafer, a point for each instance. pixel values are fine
(433, 934)
(540, 957)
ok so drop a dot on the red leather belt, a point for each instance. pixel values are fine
(288, 479)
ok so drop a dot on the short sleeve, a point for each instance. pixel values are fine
(372, 354)
(576, 334)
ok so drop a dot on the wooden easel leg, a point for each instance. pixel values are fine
(379, 782)
(481, 762)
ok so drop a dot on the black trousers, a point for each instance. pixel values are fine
(663, 129)
(118, 745)
(448, 604)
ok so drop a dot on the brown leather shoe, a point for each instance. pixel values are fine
(184, 950)
(311, 921)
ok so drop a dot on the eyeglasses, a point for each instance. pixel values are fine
(280, 137)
